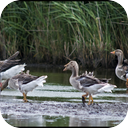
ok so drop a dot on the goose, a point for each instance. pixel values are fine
(10, 67)
(25, 82)
(121, 69)
(10, 62)
(87, 83)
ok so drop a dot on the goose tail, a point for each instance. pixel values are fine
(41, 80)
(107, 88)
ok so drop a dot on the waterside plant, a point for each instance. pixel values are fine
(54, 32)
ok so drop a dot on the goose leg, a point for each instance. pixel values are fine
(25, 100)
(90, 100)
(1, 86)
(84, 98)
(127, 83)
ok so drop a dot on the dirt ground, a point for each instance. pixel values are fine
(103, 110)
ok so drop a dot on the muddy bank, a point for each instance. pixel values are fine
(100, 110)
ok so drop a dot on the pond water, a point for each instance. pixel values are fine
(58, 89)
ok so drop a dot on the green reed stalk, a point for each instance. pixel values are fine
(54, 32)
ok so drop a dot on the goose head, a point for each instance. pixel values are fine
(73, 66)
(119, 54)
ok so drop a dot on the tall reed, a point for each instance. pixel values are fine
(54, 32)
(94, 29)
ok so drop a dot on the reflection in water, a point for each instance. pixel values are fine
(24, 120)
(58, 121)
(74, 121)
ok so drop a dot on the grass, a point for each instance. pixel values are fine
(54, 32)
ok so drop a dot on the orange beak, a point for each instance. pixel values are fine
(113, 52)
(65, 67)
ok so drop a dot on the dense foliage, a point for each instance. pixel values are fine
(53, 32)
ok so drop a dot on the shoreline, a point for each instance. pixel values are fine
(100, 110)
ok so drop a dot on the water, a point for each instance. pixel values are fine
(58, 89)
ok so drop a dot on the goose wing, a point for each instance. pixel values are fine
(87, 81)
(17, 81)
(8, 63)
(125, 69)
(25, 78)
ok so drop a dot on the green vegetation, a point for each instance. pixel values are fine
(52, 32)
